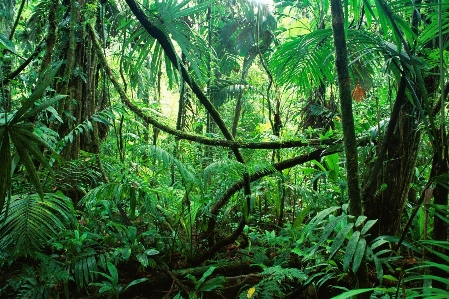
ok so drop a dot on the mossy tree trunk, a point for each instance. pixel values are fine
(350, 142)
(80, 81)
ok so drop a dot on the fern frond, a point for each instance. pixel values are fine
(232, 168)
(166, 159)
(105, 116)
(32, 222)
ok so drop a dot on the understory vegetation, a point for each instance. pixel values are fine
(224, 149)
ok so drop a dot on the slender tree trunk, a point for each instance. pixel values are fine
(350, 142)
(440, 197)
(440, 165)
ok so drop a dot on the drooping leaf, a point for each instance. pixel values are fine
(339, 239)
(350, 250)
(328, 229)
(359, 254)
(360, 221)
(134, 282)
(42, 106)
(25, 159)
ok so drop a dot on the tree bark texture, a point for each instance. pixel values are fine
(386, 201)
(80, 82)
(344, 85)
(350, 141)
(440, 167)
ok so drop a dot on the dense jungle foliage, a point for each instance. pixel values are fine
(224, 149)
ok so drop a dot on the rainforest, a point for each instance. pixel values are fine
(224, 149)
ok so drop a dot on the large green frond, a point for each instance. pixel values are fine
(32, 222)
(305, 61)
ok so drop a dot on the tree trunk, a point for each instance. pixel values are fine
(387, 200)
(350, 142)
(80, 83)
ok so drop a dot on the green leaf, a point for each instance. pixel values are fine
(340, 238)
(37, 94)
(367, 226)
(205, 276)
(350, 250)
(350, 294)
(391, 278)
(7, 44)
(359, 254)
(134, 282)
(212, 284)
(192, 10)
(126, 252)
(323, 214)
(300, 217)
(21, 140)
(151, 252)
(29, 165)
(328, 230)
(360, 221)
(43, 106)
(114, 274)
(143, 259)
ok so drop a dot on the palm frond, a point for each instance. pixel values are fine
(32, 222)
(228, 92)
(305, 61)
(83, 173)
(191, 44)
(105, 116)
(106, 192)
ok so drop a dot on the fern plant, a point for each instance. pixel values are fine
(43, 281)
(32, 222)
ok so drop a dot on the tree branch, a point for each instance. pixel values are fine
(170, 52)
(315, 155)
(192, 137)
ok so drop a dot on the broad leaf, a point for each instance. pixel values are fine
(367, 226)
(5, 43)
(350, 250)
(339, 239)
(359, 254)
